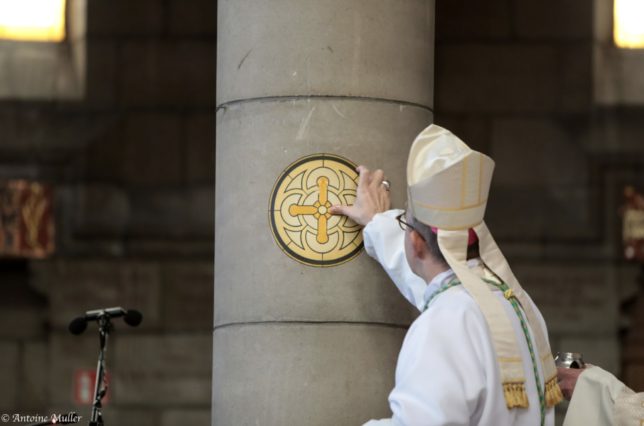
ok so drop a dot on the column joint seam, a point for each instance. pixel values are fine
(225, 105)
(375, 324)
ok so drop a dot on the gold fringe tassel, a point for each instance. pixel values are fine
(515, 395)
(553, 392)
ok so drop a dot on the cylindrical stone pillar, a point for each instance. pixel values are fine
(296, 343)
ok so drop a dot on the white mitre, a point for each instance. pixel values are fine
(448, 182)
(447, 187)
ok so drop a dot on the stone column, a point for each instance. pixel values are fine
(295, 344)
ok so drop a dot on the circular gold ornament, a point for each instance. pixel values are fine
(299, 213)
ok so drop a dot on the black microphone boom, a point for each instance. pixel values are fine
(131, 317)
(112, 312)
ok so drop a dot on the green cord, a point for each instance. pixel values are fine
(437, 292)
(513, 300)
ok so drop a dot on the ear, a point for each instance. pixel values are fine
(419, 245)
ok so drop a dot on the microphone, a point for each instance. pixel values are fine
(78, 325)
(131, 318)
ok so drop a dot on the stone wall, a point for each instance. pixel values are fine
(633, 340)
(132, 166)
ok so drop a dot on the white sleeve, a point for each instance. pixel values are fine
(385, 242)
(629, 408)
(593, 399)
(439, 380)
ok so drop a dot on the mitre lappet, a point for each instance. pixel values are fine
(447, 188)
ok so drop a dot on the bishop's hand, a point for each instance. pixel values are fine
(372, 198)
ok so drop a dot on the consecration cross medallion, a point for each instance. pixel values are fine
(299, 213)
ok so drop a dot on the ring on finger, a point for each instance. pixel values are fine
(387, 184)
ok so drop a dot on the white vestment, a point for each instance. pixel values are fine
(599, 399)
(448, 372)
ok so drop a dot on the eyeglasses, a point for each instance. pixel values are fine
(404, 225)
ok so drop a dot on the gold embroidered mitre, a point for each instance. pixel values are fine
(447, 188)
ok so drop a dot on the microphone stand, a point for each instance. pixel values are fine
(104, 329)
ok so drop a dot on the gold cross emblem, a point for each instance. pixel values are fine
(299, 213)
(320, 210)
